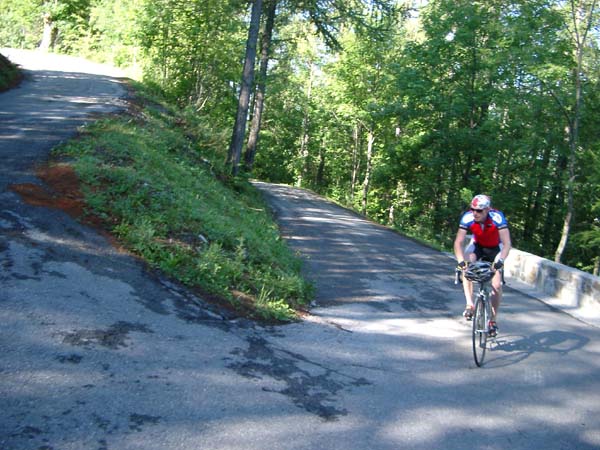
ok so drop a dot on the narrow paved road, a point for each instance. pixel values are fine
(98, 353)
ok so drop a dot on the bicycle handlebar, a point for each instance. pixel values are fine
(458, 275)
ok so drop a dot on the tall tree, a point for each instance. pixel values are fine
(261, 87)
(326, 15)
(581, 13)
(447, 85)
(239, 128)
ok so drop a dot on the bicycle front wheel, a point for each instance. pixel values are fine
(480, 333)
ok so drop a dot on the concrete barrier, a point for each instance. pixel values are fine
(571, 290)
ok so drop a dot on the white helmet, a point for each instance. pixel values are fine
(481, 202)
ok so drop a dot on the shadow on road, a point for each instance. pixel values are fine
(511, 350)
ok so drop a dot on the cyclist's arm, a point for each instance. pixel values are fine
(505, 241)
(458, 244)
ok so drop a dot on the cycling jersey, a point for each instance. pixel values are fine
(485, 234)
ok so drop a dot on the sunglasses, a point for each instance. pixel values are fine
(477, 210)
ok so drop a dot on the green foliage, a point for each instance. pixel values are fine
(111, 34)
(10, 75)
(20, 23)
(193, 50)
(70, 18)
(474, 101)
(150, 180)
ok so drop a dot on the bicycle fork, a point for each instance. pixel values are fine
(483, 296)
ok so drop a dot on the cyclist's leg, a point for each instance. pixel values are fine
(496, 292)
(470, 257)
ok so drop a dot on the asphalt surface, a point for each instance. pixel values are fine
(96, 352)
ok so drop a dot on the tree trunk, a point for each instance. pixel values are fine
(303, 151)
(321, 166)
(367, 182)
(262, 83)
(239, 128)
(534, 203)
(582, 22)
(555, 199)
(305, 137)
(355, 161)
(48, 34)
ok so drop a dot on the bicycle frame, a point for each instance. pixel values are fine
(482, 316)
(481, 320)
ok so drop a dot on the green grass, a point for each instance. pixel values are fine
(148, 176)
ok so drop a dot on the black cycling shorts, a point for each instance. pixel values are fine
(486, 253)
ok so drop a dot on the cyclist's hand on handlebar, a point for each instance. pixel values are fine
(498, 264)
(461, 265)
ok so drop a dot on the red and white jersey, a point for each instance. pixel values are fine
(486, 233)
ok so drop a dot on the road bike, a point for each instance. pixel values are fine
(481, 274)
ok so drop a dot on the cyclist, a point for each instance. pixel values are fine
(490, 242)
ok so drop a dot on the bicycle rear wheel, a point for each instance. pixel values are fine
(480, 334)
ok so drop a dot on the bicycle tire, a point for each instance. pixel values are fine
(480, 334)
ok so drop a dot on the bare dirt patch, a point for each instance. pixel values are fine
(62, 190)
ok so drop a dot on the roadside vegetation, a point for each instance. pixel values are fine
(153, 177)
(10, 75)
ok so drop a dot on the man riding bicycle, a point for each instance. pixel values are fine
(490, 242)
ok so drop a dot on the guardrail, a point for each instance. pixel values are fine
(569, 289)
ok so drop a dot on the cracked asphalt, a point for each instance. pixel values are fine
(97, 352)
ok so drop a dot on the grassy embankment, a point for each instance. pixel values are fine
(153, 177)
(10, 75)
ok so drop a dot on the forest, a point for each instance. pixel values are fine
(402, 110)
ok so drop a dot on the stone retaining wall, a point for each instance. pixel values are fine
(573, 289)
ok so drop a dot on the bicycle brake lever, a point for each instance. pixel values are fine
(457, 277)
